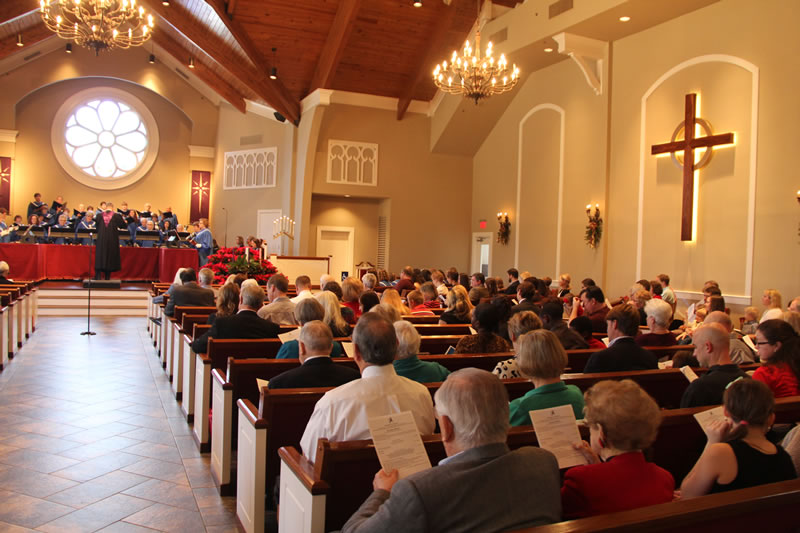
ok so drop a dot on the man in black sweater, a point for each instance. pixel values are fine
(712, 344)
(622, 353)
(243, 325)
(316, 368)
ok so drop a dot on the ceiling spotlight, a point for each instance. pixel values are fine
(191, 62)
(273, 72)
(19, 40)
(152, 58)
(165, 3)
(417, 3)
(69, 48)
(548, 49)
(624, 18)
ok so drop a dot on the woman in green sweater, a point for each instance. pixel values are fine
(407, 363)
(541, 358)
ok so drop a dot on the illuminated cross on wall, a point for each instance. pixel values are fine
(5, 182)
(688, 145)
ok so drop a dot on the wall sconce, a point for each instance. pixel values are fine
(594, 228)
(504, 231)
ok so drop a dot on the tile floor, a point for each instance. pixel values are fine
(91, 438)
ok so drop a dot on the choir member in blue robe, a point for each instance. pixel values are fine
(61, 225)
(149, 226)
(35, 205)
(86, 223)
(204, 240)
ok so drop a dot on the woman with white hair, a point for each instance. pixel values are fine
(4, 274)
(175, 283)
(659, 316)
(407, 363)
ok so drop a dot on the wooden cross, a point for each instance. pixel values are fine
(688, 145)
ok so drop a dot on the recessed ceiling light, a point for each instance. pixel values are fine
(417, 3)
(347, 196)
(548, 49)
(624, 18)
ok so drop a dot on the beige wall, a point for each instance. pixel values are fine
(32, 93)
(429, 193)
(37, 170)
(242, 205)
(764, 34)
(358, 213)
(497, 162)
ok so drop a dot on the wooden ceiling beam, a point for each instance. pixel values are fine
(11, 9)
(206, 75)
(30, 36)
(273, 93)
(332, 51)
(438, 33)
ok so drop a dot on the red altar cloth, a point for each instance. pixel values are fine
(60, 261)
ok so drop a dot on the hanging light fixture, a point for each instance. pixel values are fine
(474, 76)
(417, 3)
(191, 62)
(19, 40)
(98, 24)
(273, 72)
(69, 48)
(152, 59)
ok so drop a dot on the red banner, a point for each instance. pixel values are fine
(5, 183)
(201, 194)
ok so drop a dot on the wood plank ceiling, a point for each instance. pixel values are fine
(380, 47)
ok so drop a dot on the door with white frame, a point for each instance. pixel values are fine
(337, 242)
(265, 226)
(481, 252)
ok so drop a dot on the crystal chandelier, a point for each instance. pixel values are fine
(474, 76)
(98, 24)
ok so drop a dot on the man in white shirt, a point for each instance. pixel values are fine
(343, 412)
(280, 310)
(303, 286)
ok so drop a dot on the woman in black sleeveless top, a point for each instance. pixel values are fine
(738, 455)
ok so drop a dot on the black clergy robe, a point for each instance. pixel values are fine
(107, 257)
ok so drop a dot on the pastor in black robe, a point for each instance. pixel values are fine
(107, 258)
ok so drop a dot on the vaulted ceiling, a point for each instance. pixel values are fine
(380, 47)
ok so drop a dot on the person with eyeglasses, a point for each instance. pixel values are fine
(778, 347)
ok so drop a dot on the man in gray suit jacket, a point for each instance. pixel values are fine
(190, 293)
(481, 485)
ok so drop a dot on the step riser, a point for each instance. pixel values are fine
(95, 312)
(73, 302)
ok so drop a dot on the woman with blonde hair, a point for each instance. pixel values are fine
(333, 314)
(623, 420)
(387, 311)
(541, 358)
(227, 302)
(459, 308)
(772, 299)
(351, 292)
(392, 298)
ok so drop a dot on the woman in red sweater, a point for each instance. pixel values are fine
(623, 420)
(778, 348)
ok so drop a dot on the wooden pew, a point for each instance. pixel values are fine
(14, 311)
(185, 379)
(421, 319)
(738, 510)
(322, 496)
(152, 308)
(217, 357)
(427, 330)
(174, 341)
(5, 302)
(579, 358)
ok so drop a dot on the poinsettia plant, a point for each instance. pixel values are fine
(229, 261)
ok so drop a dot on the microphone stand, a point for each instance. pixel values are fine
(225, 238)
(89, 274)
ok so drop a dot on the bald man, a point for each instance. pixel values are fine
(739, 352)
(712, 347)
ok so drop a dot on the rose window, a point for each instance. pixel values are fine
(106, 138)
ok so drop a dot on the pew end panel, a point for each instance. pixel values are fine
(187, 400)
(250, 482)
(202, 383)
(221, 428)
(303, 498)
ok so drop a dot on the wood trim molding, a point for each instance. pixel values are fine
(8, 136)
(202, 151)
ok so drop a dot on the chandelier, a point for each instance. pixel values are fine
(98, 24)
(474, 76)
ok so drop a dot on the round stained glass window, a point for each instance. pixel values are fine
(105, 138)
